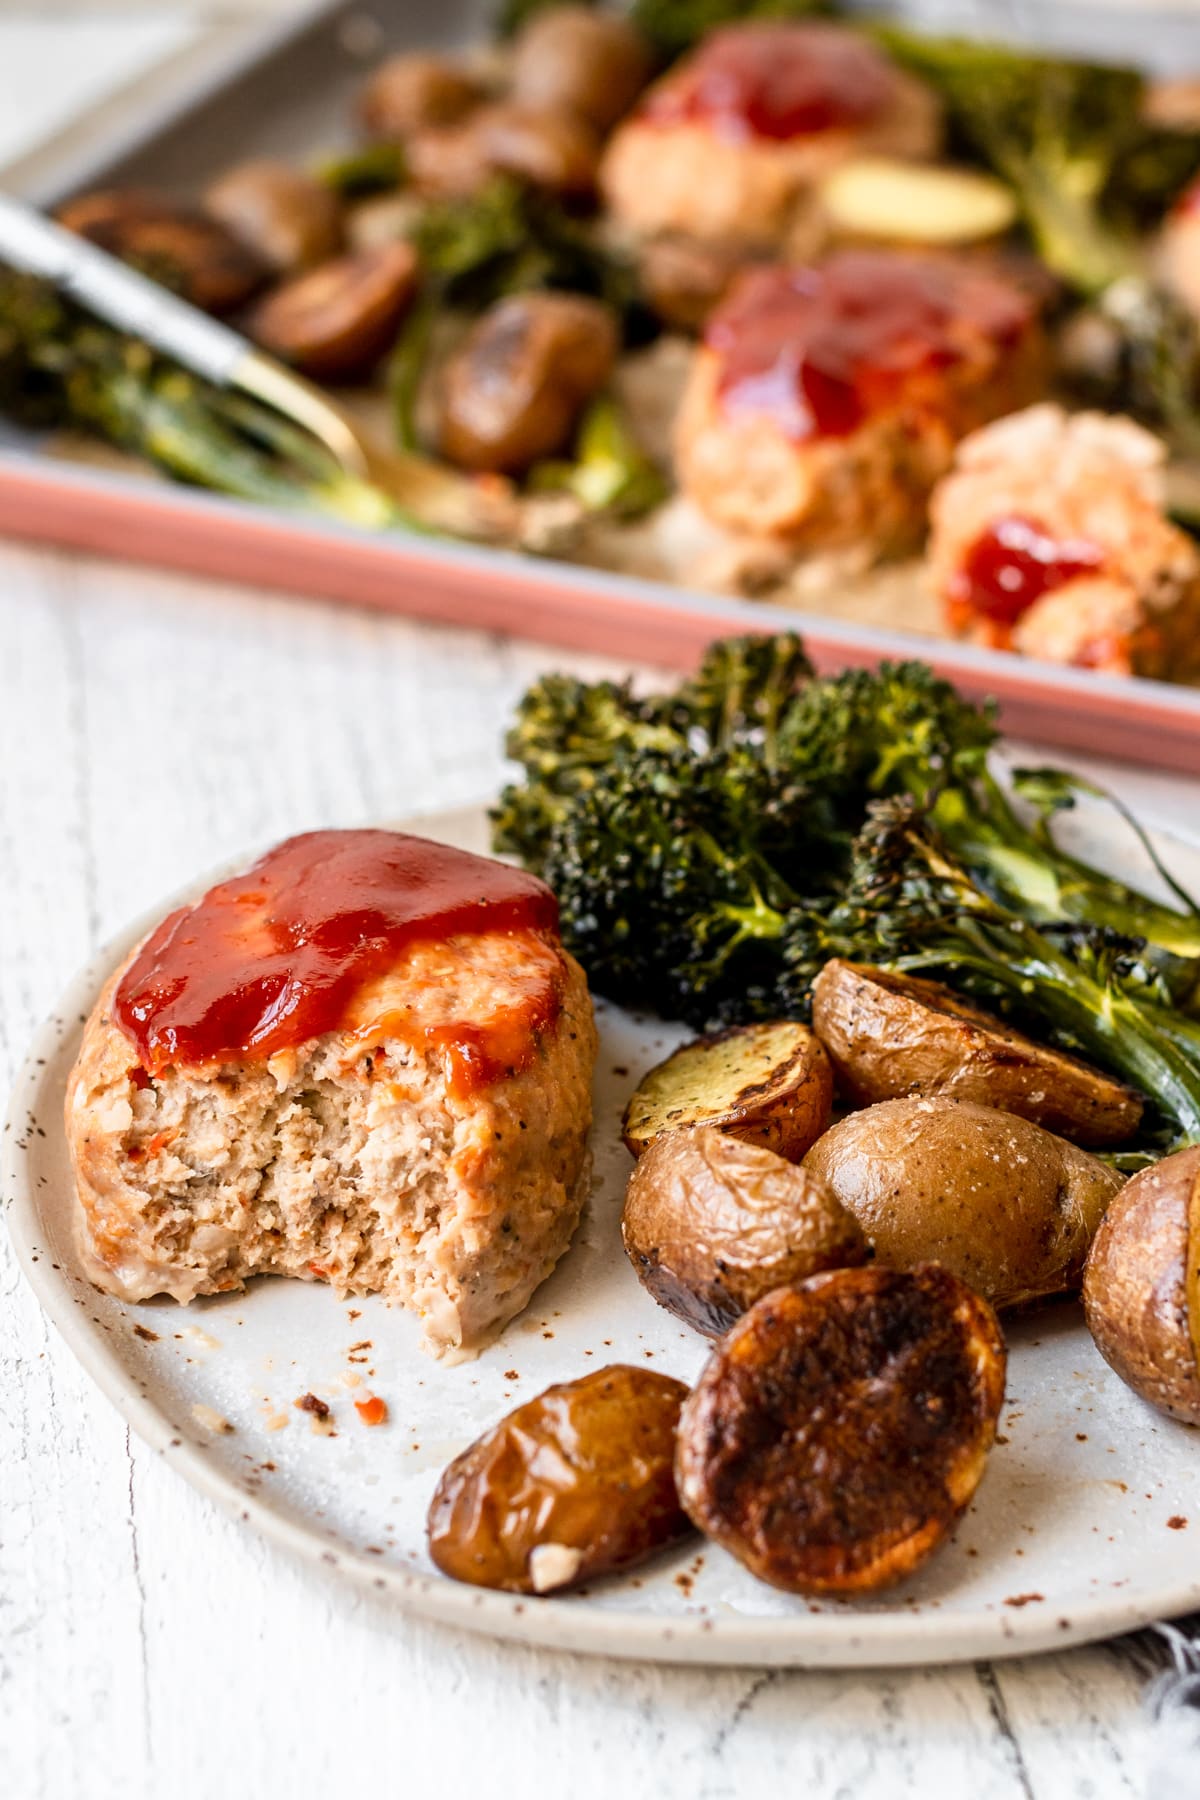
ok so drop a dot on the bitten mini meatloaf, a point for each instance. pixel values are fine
(366, 1061)
(825, 401)
(1050, 537)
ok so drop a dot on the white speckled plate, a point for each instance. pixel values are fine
(1087, 1523)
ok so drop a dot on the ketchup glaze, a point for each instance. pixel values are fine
(274, 957)
(1012, 564)
(775, 80)
(819, 349)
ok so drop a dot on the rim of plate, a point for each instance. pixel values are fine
(821, 1639)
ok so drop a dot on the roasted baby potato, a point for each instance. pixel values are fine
(840, 1429)
(337, 321)
(514, 390)
(711, 1224)
(570, 1485)
(586, 62)
(999, 1201)
(1141, 1287)
(285, 214)
(770, 1084)
(889, 1035)
(411, 91)
(197, 257)
(548, 148)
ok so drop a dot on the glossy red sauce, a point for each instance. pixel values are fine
(1187, 204)
(1012, 564)
(775, 80)
(820, 349)
(274, 957)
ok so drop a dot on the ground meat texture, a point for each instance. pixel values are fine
(353, 1158)
(841, 1427)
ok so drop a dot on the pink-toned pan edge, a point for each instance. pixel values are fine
(558, 604)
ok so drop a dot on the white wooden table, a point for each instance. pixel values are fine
(151, 726)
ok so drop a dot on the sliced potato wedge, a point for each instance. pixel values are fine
(770, 1084)
(890, 1036)
(711, 1224)
(916, 203)
(839, 1430)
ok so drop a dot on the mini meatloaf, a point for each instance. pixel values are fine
(825, 402)
(366, 1061)
(1179, 248)
(731, 143)
(1049, 537)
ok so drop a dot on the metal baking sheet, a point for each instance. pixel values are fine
(284, 87)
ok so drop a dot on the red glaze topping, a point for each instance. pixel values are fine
(1012, 564)
(1187, 204)
(773, 80)
(274, 957)
(818, 350)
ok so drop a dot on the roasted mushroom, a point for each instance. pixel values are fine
(711, 1224)
(570, 1485)
(283, 213)
(1141, 1287)
(891, 1035)
(514, 390)
(198, 257)
(770, 1084)
(1001, 1202)
(580, 61)
(413, 90)
(337, 321)
(842, 1426)
(547, 148)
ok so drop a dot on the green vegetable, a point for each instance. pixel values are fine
(610, 472)
(58, 366)
(369, 169)
(673, 26)
(713, 846)
(1087, 172)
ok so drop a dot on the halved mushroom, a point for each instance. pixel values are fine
(890, 1036)
(546, 147)
(413, 90)
(197, 257)
(770, 1084)
(711, 1224)
(840, 1429)
(514, 390)
(337, 321)
(571, 1484)
(582, 61)
(290, 218)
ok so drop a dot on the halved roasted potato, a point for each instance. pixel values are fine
(770, 1084)
(1006, 1205)
(575, 1482)
(839, 1430)
(891, 1035)
(1141, 1287)
(712, 1223)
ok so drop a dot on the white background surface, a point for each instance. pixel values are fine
(150, 726)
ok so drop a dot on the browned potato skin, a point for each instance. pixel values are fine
(410, 91)
(549, 148)
(999, 1201)
(198, 257)
(840, 1429)
(590, 63)
(514, 389)
(786, 1112)
(712, 1224)
(1141, 1287)
(286, 215)
(890, 1035)
(335, 322)
(586, 1467)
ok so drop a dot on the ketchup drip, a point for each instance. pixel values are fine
(818, 350)
(775, 81)
(1012, 564)
(275, 957)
